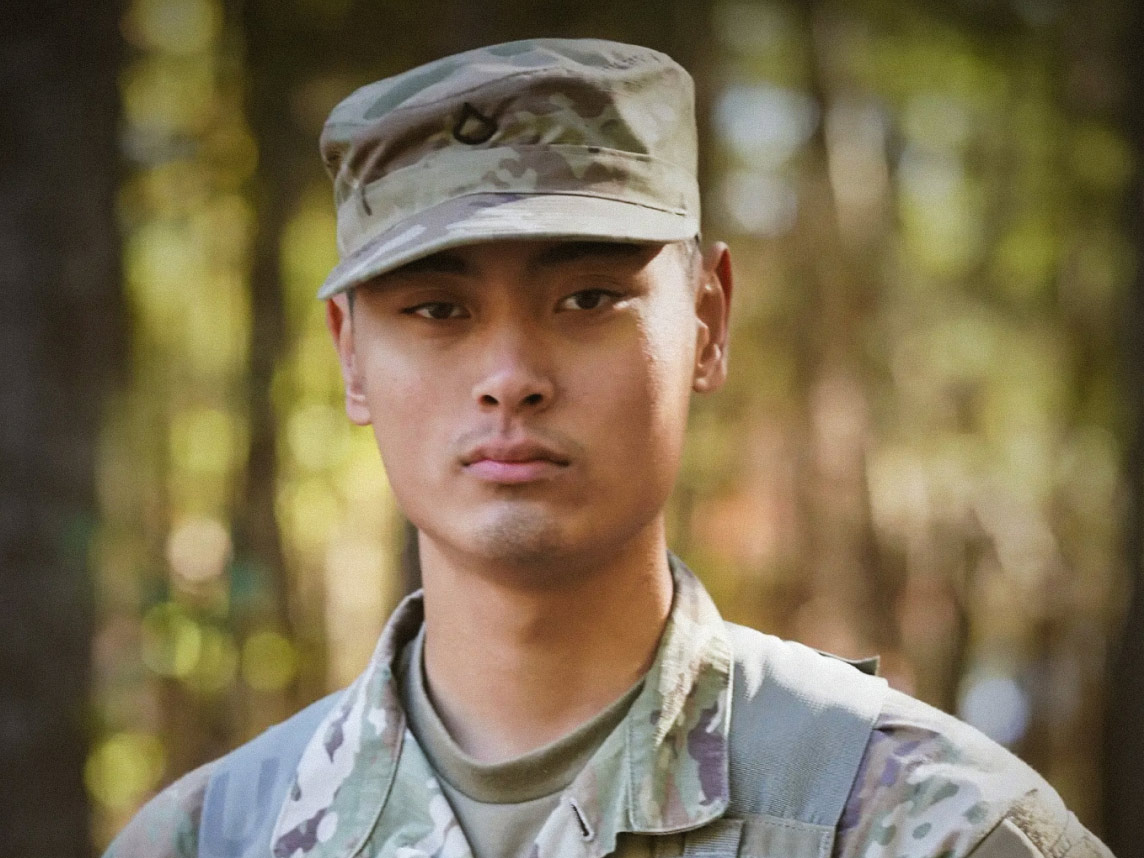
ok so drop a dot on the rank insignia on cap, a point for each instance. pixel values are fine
(473, 127)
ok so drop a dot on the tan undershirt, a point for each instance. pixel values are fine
(501, 806)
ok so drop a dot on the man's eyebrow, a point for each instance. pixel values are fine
(442, 262)
(574, 251)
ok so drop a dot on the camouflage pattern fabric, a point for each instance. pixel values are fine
(546, 138)
(931, 785)
(928, 786)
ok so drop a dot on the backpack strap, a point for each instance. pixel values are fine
(249, 785)
(800, 723)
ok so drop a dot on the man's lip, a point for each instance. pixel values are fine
(513, 452)
(495, 471)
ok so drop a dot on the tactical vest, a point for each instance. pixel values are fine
(800, 722)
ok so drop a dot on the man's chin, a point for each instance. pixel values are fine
(522, 540)
(534, 548)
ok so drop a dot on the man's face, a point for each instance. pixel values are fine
(529, 398)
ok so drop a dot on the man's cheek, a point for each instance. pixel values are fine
(636, 390)
(400, 451)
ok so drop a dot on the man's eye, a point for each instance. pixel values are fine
(437, 310)
(588, 299)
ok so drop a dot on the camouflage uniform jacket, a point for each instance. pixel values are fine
(928, 785)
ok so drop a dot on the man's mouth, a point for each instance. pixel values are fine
(516, 461)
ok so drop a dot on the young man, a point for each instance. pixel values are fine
(521, 313)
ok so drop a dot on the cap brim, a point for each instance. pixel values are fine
(490, 217)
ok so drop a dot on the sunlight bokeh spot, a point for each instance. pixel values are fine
(759, 203)
(204, 440)
(308, 509)
(269, 661)
(765, 125)
(941, 214)
(217, 663)
(123, 768)
(171, 641)
(997, 706)
(198, 549)
(160, 260)
(317, 436)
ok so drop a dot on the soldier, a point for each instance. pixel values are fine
(521, 312)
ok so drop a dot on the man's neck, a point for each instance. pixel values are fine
(512, 666)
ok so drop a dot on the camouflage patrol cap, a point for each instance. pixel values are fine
(546, 138)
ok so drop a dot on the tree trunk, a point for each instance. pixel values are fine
(1124, 739)
(60, 348)
(276, 189)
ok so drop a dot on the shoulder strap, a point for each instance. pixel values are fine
(800, 722)
(248, 785)
(799, 727)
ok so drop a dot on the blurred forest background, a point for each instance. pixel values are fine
(929, 446)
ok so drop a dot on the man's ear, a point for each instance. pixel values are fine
(712, 310)
(339, 319)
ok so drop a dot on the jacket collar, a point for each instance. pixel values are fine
(665, 769)
(675, 738)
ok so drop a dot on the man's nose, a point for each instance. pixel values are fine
(515, 376)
